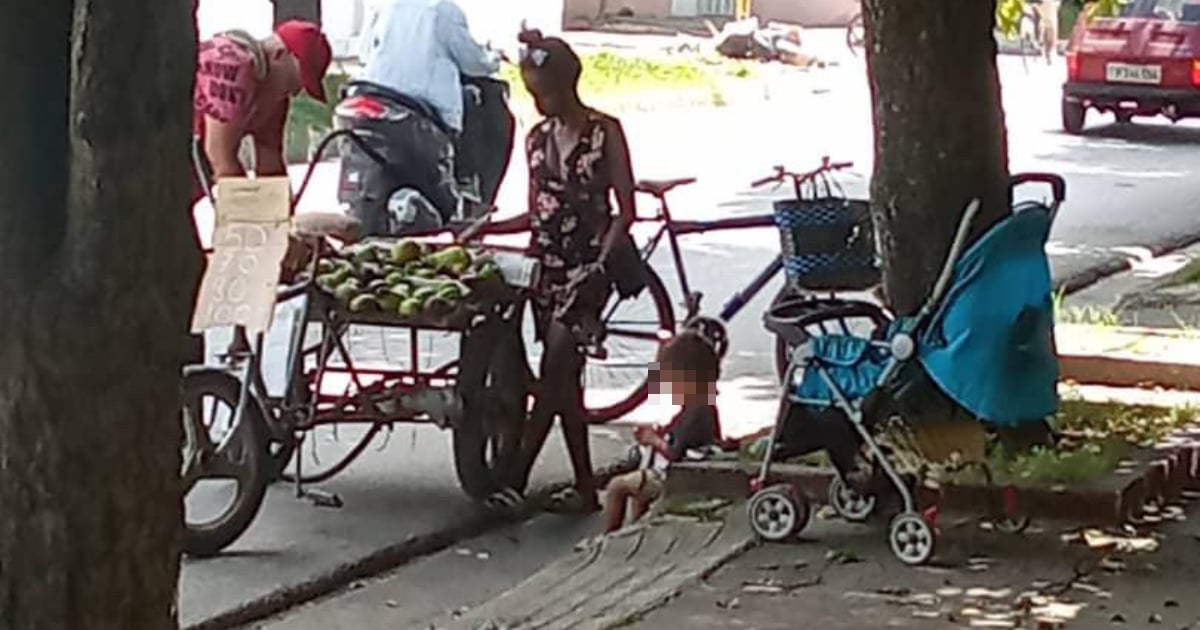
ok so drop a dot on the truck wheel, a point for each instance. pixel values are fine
(1073, 116)
(493, 389)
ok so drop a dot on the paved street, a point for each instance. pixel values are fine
(1130, 187)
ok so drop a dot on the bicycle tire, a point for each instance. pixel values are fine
(853, 41)
(207, 540)
(665, 314)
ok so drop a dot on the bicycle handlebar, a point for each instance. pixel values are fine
(782, 173)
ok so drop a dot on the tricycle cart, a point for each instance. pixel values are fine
(246, 434)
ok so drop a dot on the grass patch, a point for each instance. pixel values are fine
(608, 75)
(1188, 274)
(1064, 465)
(1144, 426)
(1086, 315)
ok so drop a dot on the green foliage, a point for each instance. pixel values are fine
(307, 117)
(1008, 13)
(1042, 465)
(1105, 8)
(1087, 315)
(1143, 426)
(1008, 16)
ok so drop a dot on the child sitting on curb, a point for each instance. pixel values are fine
(688, 368)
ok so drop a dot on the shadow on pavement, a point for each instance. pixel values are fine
(1148, 134)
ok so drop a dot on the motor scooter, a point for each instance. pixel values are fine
(415, 173)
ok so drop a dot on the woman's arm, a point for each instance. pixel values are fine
(621, 175)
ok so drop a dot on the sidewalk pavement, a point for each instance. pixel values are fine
(1150, 294)
(842, 577)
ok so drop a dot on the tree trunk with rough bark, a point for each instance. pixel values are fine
(309, 10)
(98, 267)
(940, 138)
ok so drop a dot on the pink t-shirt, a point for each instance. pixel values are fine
(227, 90)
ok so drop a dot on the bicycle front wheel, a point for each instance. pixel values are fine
(856, 35)
(634, 330)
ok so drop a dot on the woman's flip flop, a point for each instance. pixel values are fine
(505, 500)
(569, 501)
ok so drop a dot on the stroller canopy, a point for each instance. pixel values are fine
(990, 347)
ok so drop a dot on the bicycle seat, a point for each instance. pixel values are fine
(660, 187)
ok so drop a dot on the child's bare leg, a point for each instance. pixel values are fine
(615, 499)
(640, 507)
(649, 490)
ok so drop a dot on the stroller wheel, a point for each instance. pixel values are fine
(778, 513)
(912, 539)
(1014, 526)
(848, 503)
(1011, 519)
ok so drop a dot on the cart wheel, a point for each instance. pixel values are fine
(225, 468)
(778, 513)
(848, 503)
(493, 386)
(912, 539)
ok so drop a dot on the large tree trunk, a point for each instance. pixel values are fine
(97, 268)
(309, 10)
(939, 132)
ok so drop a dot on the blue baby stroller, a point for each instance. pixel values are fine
(984, 338)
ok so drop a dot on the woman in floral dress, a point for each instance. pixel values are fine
(578, 161)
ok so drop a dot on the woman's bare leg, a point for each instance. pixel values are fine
(568, 370)
(559, 394)
(538, 428)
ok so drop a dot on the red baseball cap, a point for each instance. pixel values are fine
(308, 44)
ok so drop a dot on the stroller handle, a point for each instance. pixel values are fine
(1057, 184)
(960, 241)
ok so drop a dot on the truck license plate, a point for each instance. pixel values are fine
(1131, 73)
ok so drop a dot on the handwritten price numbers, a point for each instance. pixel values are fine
(249, 246)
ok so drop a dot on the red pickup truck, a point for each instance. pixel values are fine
(1143, 62)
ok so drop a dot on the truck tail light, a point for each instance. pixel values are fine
(1196, 72)
(1073, 67)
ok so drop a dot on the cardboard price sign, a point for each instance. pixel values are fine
(249, 244)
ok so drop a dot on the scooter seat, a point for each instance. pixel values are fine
(416, 105)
